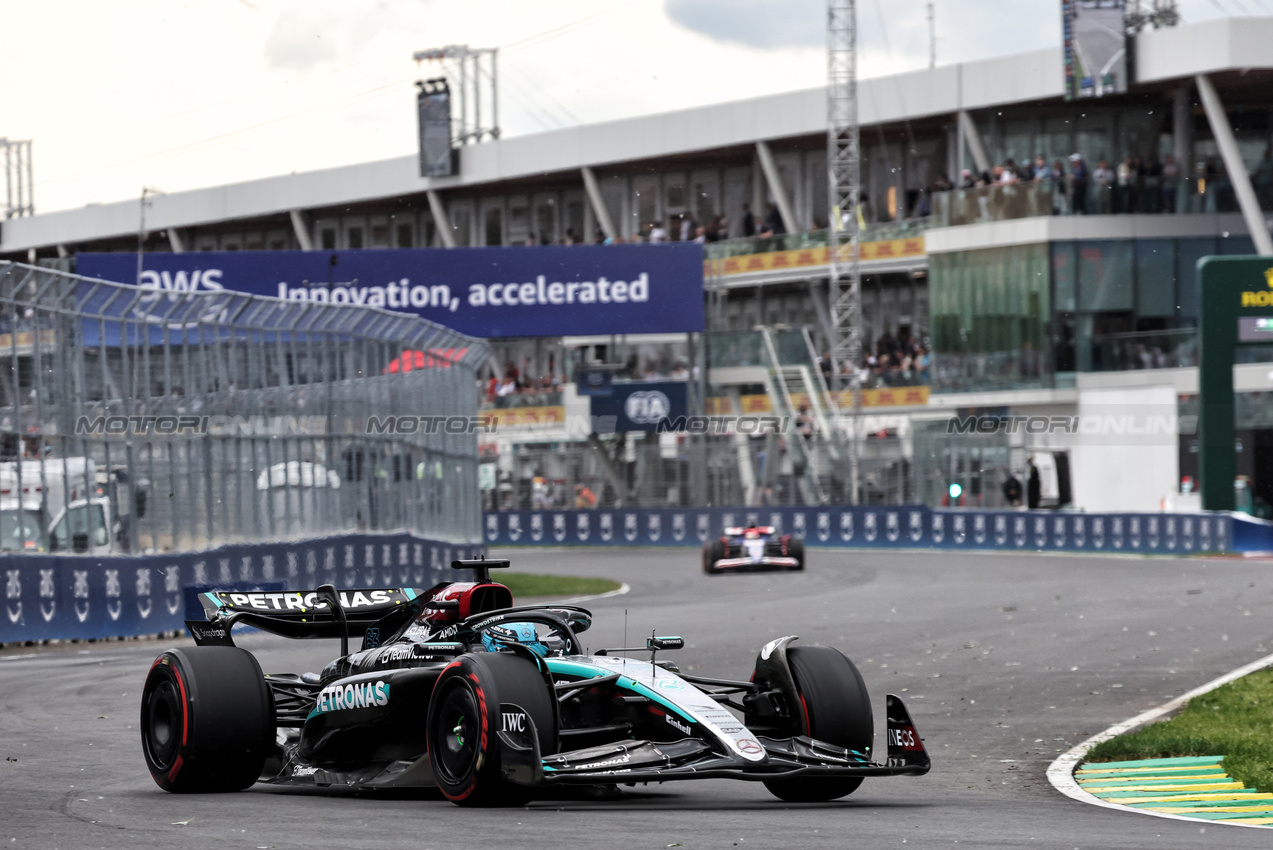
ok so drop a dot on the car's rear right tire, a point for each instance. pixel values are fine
(795, 549)
(835, 708)
(207, 720)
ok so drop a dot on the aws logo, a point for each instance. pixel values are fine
(199, 280)
(1260, 297)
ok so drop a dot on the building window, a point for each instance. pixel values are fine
(355, 238)
(404, 236)
(494, 226)
(328, 239)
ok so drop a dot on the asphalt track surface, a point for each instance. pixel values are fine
(1004, 660)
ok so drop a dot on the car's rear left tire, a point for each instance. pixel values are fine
(713, 551)
(833, 707)
(207, 720)
(465, 719)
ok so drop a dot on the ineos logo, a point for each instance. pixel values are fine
(647, 408)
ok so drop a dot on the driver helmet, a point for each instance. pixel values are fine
(751, 534)
(496, 638)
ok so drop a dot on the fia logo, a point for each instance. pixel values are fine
(514, 527)
(81, 594)
(536, 527)
(824, 526)
(630, 527)
(245, 568)
(201, 572)
(1040, 532)
(1116, 532)
(726, 520)
(678, 527)
(582, 529)
(1204, 534)
(703, 527)
(349, 556)
(979, 529)
(143, 592)
(559, 527)
(654, 527)
(293, 565)
(607, 527)
(1098, 532)
(1018, 531)
(172, 587)
(846, 526)
(1186, 533)
(13, 595)
(1001, 530)
(939, 528)
(798, 526)
(1151, 532)
(958, 532)
(113, 604)
(869, 526)
(1080, 532)
(1058, 531)
(223, 575)
(267, 568)
(892, 527)
(1170, 524)
(775, 520)
(48, 600)
(647, 408)
(311, 562)
(753, 519)
(917, 526)
(1133, 532)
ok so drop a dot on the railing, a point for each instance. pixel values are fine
(813, 239)
(1171, 349)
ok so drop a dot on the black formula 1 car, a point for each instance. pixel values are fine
(756, 547)
(455, 688)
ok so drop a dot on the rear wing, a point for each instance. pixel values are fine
(301, 614)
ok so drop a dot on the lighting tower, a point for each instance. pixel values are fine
(19, 199)
(844, 155)
(470, 72)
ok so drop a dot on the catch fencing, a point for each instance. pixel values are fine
(214, 417)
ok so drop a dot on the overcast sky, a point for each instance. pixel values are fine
(180, 94)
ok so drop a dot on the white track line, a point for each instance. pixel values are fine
(623, 588)
(1061, 771)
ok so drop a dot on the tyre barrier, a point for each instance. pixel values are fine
(894, 526)
(77, 597)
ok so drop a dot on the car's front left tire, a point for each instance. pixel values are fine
(207, 720)
(465, 719)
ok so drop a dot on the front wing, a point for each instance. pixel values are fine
(646, 761)
(748, 563)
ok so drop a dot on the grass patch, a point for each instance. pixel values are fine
(1234, 721)
(528, 584)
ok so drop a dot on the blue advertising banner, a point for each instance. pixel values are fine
(905, 526)
(643, 406)
(63, 597)
(546, 290)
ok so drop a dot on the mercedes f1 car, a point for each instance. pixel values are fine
(757, 547)
(455, 688)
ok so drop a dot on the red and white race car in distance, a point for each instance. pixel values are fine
(757, 547)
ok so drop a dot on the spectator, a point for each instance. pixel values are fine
(700, 235)
(688, 226)
(804, 422)
(540, 497)
(749, 221)
(1078, 184)
(1103, 179)
(773, 220)
(1041, 169)
(1012, 491)
(657, 233)
(584, 497)
(966, 180)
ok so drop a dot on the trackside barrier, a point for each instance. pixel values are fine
(50, 597)
(910, 526)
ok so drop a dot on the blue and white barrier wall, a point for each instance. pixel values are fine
(62, 597)
(909, 526)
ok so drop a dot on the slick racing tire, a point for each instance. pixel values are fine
(713, 551)
(835, 708)
(207, 720)
(795, 549)
(465, 720)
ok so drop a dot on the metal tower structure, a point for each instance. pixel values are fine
(1152, 13)
(844, 155)
(473, 77)
(19, 192)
